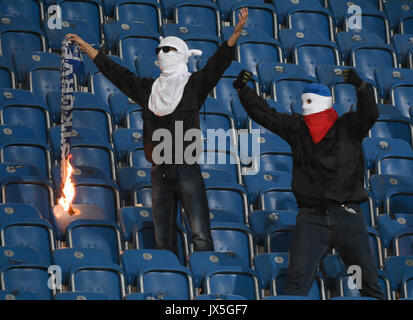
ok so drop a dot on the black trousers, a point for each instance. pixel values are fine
(183, 183)
(317, 231)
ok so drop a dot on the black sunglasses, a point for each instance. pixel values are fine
(165, 49)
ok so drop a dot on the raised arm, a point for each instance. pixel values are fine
(258, 109)
(125, 80)
(208, 77)
(361, 121)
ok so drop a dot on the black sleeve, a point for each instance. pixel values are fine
(258, 109)
(125, 80)
(360, 122)
(207, 78)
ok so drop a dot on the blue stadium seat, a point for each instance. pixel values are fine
(67, 258)
(27, 277)
(283, 7)
(88, 111)
(198, 13)
(227, 160)
(107, 279)
(131, 40)
(19, 37)
(147, 67)
(147, 11)
(392, 126)
(10, 255)
(388, 80)
(203, 261)
(234, 237)
(7, 76)
(119, 103)
(228, 196)
(268, 264)
(332, 266)
(251, 50)
(401, 96)
(133, 117)
(254, 183)
(24, 108)
(239, 113)
(29, 190)
(260, 16)
(403, 242)
(81, 295)
(277, 198)
(80, 27)
(124, 140)
(130, 179)
(390, 224)
(19, 295)
(87, 152)
(31, 10)
(32, 233)
(233, 280)
(311, 18)
(397, 164)
(134, 260)
(261, 221)
(403, 43)
(219, 215)
(340, 9)
(90, 11)
(39, 72)
(10, 211)
(104, 235)
(270, 73)
(397, 12)
(225, 6)
(13, 169)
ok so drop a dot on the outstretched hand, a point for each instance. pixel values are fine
(351, 77)
(242, 20)
(242, 80)
(83, 45)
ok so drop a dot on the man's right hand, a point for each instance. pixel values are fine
(83, 45)
(351, 77)
(242, 80)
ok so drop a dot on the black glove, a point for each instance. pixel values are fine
(351, 77)
(242, 80)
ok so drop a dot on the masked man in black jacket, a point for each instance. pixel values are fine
(328, 176)
(169, 102)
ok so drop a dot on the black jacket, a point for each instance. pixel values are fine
(331, 171)
(199, 85)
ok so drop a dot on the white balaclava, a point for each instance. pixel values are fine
(168, 88)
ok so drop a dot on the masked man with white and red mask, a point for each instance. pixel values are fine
(327, 178)
(173, 100)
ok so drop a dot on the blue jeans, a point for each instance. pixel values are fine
(317, 231)
(183, 183)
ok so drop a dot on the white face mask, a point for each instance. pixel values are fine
(171, 62)
(313, 103)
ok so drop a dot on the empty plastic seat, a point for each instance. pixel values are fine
(67, 258)
(80, 27)
(134, 260)
(228, 196)
(19, 38)
(401, 96)
(261, 221)
(202, 262)
(283, 7)
(392, 126)
(7, 76)
(199, 13)
(390, 224)
(227, 160)
(132, 40)
(107, 279)
(232, 237)
(403, 43)
(10, 169)
(252, 50)
(277, 198)
(397, 12)
(340, 9)
(125, 140)
(10, 211)
(31, 10)
(147, 11)
(260, 16)
(90, 11)
(31, 278)
(146, 67)
(397, 164)
(20, 295)
(22, 107)
(104, 235)
(18, 255)
(311, 18)
(119, 103)
(29, 190)
(403, 241)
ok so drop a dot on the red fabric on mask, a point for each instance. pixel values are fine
(319, 123)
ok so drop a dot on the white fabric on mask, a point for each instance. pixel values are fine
(318, 103)
(168, 88)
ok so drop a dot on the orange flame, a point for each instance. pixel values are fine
(68, 190)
